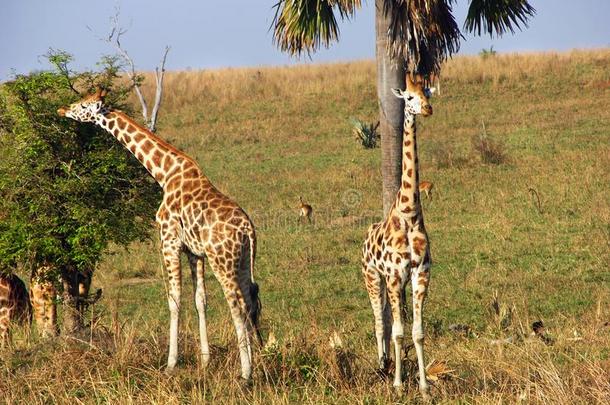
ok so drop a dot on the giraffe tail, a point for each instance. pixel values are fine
(257, 306)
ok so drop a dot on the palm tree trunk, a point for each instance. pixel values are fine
(391, 109)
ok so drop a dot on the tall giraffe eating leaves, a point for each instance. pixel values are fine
(397, 249)
(196, 218)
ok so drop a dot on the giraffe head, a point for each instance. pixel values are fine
(416, 96)
(86, 109)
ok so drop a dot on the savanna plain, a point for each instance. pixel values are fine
(519, 238)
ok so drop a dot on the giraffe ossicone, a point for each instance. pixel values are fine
(196, 218)
(397, 249)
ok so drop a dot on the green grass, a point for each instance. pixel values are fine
(265, 139)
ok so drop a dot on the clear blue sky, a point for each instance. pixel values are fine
(219, 33)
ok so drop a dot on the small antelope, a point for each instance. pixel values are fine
(305, 211)
(15, 305)
(426, 187)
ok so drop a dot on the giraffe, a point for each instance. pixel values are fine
(193, 217)
(14, 305)
(397, 249)
(43, 296)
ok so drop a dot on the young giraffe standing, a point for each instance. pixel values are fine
(397, 249)
(196, 218)
(14, 305)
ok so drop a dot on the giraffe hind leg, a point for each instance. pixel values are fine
(227, 275)
(197, 266)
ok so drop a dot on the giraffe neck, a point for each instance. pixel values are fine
(407, 200)
(161, 159)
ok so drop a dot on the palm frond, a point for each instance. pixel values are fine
(422, 32)
(497, 16)
(303, 25)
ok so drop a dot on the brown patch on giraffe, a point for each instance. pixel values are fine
(121, 123)
(159, 176)
(167, 163)
(404, 199)
(407, 209)
(419, 244)
(406, 184)
(400, 240)
(131, 128)
(138, 137)
(396, 223)
(148, 165)
(187, 198)
(146, 146)
(407, 142)
(409, 155)
(192, 172)
(116, 132)
(413, 263)
(132, 148)
(410, 172)
(156, 157)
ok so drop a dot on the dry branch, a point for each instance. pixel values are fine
(114, 38)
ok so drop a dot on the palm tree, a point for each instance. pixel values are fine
(411, 35)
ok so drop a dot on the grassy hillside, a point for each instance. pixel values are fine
(267, 136)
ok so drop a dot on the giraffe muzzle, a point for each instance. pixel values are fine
(62, 111)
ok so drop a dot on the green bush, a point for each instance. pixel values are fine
(67, 189)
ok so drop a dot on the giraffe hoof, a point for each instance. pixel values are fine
(425, 395)
(170, 371)
(245, 383)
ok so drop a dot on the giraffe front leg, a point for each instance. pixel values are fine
(197, 273)
(375, 286)
(420, 277)
(171, 248)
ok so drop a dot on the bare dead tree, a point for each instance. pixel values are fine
(114, 39)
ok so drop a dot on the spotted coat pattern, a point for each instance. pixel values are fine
(15, 305)
(397, 249)
(195, 218)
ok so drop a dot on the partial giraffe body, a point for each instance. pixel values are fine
(15, 305)
(43, 295)
(196, 218)
(397, 250)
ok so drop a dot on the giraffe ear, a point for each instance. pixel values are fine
(398, 93)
